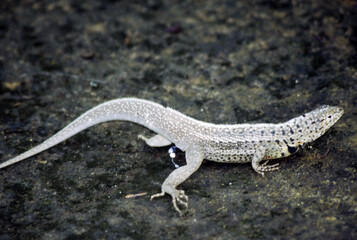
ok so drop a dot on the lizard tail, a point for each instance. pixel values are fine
(127, 109)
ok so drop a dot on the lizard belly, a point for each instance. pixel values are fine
(230, 156)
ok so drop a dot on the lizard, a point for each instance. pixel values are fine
(237, 143)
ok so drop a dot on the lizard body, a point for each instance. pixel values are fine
(200, 140)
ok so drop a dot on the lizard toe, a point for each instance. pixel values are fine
(179, 196)
(267, 168)
(157, 195)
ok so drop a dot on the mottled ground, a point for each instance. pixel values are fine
(217, 61)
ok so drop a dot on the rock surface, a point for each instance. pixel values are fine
(218, 61)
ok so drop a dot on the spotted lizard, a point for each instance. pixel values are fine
(255, 143)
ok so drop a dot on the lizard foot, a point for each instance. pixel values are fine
(266, 168)
(178, 196)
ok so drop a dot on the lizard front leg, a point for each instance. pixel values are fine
(261, 155)
(194, 158)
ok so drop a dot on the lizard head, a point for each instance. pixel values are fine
(314, 124)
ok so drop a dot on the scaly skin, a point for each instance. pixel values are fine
(200, 140)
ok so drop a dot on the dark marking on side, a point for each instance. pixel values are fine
(292, 150)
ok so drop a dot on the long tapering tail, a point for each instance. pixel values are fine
(127, 109)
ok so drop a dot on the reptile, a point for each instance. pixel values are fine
(255, 143)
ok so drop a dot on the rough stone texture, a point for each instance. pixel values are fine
(218, 61)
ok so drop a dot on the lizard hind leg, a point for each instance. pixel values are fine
(194, 158)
